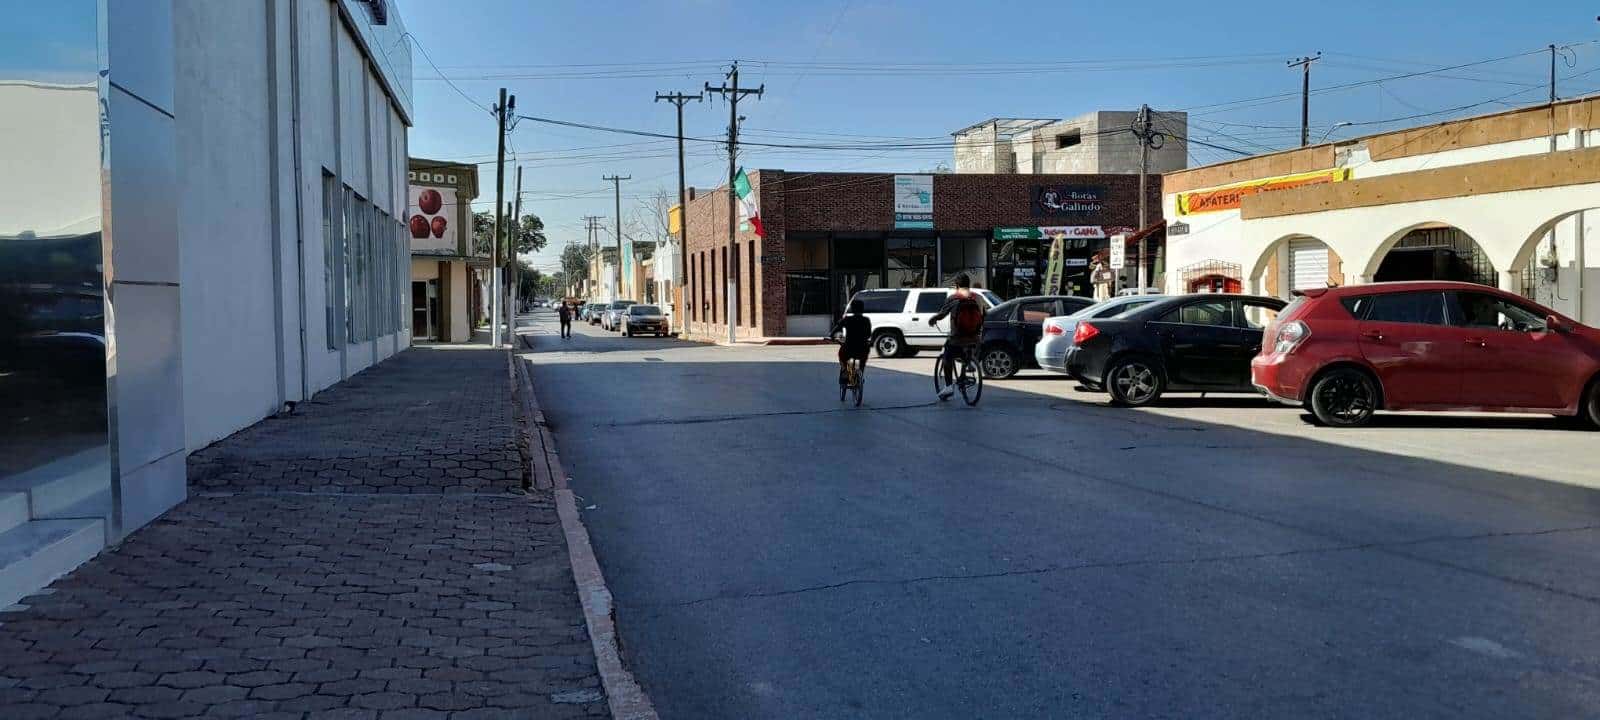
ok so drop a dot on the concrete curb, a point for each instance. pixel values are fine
(626, 699)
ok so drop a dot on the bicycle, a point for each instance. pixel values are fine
(854, 381)
(968, 376)
(855, 378)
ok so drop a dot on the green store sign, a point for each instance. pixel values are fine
(1017, 233)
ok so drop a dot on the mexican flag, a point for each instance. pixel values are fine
(749, 206)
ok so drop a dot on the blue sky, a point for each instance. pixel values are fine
(922, 69)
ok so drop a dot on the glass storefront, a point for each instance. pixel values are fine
(53, 304)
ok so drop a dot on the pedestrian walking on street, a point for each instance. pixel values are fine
(565, 313)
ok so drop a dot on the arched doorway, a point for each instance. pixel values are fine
(1436, 251)
(1296, 262)
(1553, 269)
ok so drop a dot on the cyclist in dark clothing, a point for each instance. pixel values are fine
(857, 341)
(966, 327)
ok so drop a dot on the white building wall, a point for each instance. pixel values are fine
(1502, 226)
(227, 294)
(249, 277)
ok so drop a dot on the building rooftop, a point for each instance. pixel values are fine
(1006, 127)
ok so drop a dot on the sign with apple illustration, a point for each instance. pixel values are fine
(430, 211)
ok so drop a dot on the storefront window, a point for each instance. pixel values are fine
(806, 257)
(911, 262)
(964, 254)
(53, 301)
(1018, 267)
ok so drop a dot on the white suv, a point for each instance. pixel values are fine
(900, 318)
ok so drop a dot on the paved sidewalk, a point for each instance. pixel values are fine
(364, 557)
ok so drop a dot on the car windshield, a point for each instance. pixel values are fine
(644, 310)
(991, 297)
(621, 304)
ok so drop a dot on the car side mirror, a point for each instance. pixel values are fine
(1554, 324)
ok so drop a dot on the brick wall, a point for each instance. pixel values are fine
(864, 202)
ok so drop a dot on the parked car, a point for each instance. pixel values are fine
(611, 319)
(1135, 291)
(1051, 351)
(1345, 353)
(1183, 343)
(1012, 328)
(593, 311)
(644, 319)
(900, 318)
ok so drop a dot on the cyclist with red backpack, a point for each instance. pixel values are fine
(966, 328)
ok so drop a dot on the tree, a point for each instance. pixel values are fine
(529, 234)
(575, 259)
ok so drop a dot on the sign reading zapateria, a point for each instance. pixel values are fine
(1230, 197)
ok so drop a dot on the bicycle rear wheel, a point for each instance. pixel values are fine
(861, 381)
(970, 380)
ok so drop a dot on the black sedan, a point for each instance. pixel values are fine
(1186, 343)
(1012, 328)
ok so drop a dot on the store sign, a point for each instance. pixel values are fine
(1177, 228)
(1051, 200)
(1017, 233)
(1093, 232)
(1231, 197)
(913, 202)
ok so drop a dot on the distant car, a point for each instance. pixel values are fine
(593, 311)
(1012, 328)
(640, 319)
(1184, 343)
(900, 318)
(1135, 291)
(1345, 353)
(1051, 351)
(611, 319)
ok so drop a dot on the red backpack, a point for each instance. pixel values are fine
(967, 320)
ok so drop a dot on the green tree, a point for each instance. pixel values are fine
(575, 262)
(529, 234)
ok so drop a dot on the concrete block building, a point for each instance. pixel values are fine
(203, 222)
(1096, 142)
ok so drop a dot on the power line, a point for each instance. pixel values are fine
(444, 77)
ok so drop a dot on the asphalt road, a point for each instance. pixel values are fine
(775, 554)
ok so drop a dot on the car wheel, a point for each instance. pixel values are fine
(1344, 397)
(1589, 406)
(999, 363)
(1134, 382)
(888, 345)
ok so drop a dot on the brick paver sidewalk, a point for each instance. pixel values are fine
(364, 557)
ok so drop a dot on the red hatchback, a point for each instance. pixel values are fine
(1346, 352)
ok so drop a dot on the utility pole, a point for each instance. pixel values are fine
(679, 100)
(732, 93)
(1148, 140)
(1304, 63)
(501, 110)
(589, 224)
(512, 243)
(616, 187)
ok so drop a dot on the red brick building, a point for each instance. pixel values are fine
(831, 234)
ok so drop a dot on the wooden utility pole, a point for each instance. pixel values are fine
(679, 100)
(732, 93)
(1304, 63)
(1148, 140)
(616, 186)
(592, 273)
(501, 110)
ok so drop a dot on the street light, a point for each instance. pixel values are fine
(1336, 126)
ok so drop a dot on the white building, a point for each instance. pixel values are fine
(211, 228)
(1096, 142)
(1499, 199)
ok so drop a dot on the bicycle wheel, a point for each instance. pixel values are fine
(938, 373)
(970, 380)
(861, 382)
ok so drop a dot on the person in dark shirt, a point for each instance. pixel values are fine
(857, 329)
(966, 328)
(565, 314)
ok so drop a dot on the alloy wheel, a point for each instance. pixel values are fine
(1135, 382)
(998, 363)
(1344, 398)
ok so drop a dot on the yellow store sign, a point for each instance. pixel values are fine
(1230, 197)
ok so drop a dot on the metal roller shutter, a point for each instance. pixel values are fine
(1308, 265)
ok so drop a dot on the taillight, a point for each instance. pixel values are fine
(1290, 336)
(1084, 333)
(1052, 328)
